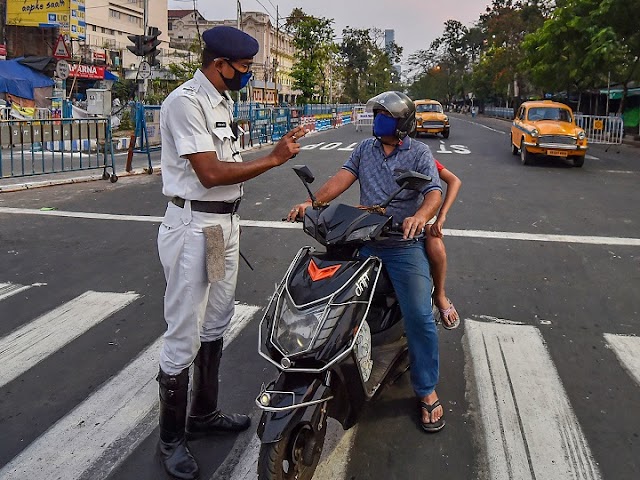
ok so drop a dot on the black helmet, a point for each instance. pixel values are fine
(399, 106)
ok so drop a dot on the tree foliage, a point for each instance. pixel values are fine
(367, 65)
(313, 39)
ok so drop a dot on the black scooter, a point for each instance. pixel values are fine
(333, 328)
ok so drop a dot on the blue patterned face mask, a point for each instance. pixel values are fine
(384, 126)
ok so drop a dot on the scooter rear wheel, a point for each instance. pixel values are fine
(284, 460)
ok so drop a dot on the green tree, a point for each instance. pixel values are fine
(313, 39)
(367, 66)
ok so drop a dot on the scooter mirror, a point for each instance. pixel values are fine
(304, 173)
(413, 180)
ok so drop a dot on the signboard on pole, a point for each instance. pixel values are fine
(62, 69)
(144, 70)
(61, 50)
(32, 13)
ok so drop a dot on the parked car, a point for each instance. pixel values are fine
(547, 128)
(430, 118)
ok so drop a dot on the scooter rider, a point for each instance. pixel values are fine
(198, 241)
(375, 163)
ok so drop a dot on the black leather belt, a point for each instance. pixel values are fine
(209, 207)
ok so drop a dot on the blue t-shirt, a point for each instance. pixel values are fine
(377, 173)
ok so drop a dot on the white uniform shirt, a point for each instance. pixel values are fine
(196, 118)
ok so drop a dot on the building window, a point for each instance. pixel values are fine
(170, 26)
(114, 14)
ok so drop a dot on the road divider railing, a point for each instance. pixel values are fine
(607, 130)
(36, 147)
(257, 124)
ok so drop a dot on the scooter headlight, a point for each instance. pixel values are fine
(296, 328)
(363, 233)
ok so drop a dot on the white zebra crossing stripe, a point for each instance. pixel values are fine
(74, 444)
(530, 429)
(9, 289)
(25, 347)
(627, 349)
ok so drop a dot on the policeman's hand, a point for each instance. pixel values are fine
(298, 211)
(288, 147)
(413, 226)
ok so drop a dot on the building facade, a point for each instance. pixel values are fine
(272, 82)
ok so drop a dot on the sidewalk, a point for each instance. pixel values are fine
(140, 166)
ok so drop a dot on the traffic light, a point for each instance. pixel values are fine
(136, 48)
(146, 45)
(150, 46)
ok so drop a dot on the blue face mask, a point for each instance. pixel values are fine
(384, 126)
(239, 79)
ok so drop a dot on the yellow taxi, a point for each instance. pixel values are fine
(430, 118)
(547, 128)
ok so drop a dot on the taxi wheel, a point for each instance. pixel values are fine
(445, 133)
(578, 161)
(525, 157)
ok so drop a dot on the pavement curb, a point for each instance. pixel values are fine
(16, 187)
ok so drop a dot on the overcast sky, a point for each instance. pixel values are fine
(416, 22)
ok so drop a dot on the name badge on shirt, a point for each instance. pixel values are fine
(221, 124)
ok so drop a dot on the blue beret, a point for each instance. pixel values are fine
(229, 42)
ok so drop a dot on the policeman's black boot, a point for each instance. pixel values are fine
(174, 452)
(204, 416)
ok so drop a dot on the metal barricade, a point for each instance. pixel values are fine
(261, 126)
(602, 129)
(500, 112)
(362, 118)
(280, 122)
(36, 147)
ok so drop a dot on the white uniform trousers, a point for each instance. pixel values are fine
(195, 310)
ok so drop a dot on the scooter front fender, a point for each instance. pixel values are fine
(296, 398)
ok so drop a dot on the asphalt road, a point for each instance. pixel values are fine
(542, 380)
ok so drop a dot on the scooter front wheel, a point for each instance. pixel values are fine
(294, 457)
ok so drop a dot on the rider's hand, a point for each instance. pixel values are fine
(288, 146)
(413, 226)
(436, 228)
(298, 211)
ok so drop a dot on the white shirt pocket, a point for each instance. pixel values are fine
(223, 138)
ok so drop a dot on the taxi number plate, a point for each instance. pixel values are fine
(557, 153)
(433, 130)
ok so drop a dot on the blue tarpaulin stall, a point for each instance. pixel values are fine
(22, 82)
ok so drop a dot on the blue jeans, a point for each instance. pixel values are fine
(408, 269)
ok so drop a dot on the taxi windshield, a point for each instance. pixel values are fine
(549, 113)
(429, 107)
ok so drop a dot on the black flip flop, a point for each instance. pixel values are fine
(431, 427)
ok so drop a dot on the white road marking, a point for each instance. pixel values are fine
(540, 237)
(9, 289)
(29, 345)
(529, 426)
(590, 157)
(83, 438)
(622, 171)
(627, 349)
(535, 237)
(481, 125)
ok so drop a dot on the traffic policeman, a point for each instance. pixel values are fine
(198, 241)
